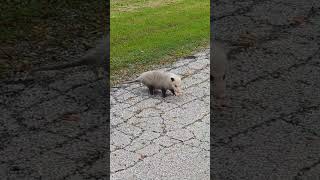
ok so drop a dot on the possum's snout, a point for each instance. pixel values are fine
(178, 92)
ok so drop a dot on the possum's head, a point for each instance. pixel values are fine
(176, 84)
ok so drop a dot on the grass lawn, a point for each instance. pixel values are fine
(153, 32)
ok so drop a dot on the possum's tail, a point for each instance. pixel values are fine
(127, 82)
(133, 81)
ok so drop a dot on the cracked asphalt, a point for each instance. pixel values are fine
(163, 138)
(271, 129)
(54, 125)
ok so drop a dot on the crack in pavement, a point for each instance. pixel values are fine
(152, 128)
(33, 129)
(270, 130)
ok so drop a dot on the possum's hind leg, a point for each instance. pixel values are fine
(151, 90)
(163, 92)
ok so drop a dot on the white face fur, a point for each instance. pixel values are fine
(176, 85)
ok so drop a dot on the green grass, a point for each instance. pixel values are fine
(150, 32)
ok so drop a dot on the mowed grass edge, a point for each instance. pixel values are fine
(156, 35)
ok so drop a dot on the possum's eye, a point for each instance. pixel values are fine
(175, 85)
(172, 79)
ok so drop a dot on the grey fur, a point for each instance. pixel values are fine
(160, 80)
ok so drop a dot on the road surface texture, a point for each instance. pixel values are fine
(53, 125)
(272, 128)
(155, 138)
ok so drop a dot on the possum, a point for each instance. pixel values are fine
(218, 75)
(160, 80)
(95, 58)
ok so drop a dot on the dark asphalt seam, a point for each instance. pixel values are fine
(240, 11)
(222, 142)
(304, 170)
(277, 72)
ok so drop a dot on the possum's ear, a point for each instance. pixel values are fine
(172, 79)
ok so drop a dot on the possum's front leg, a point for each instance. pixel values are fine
(163, 92)
(173, 92)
